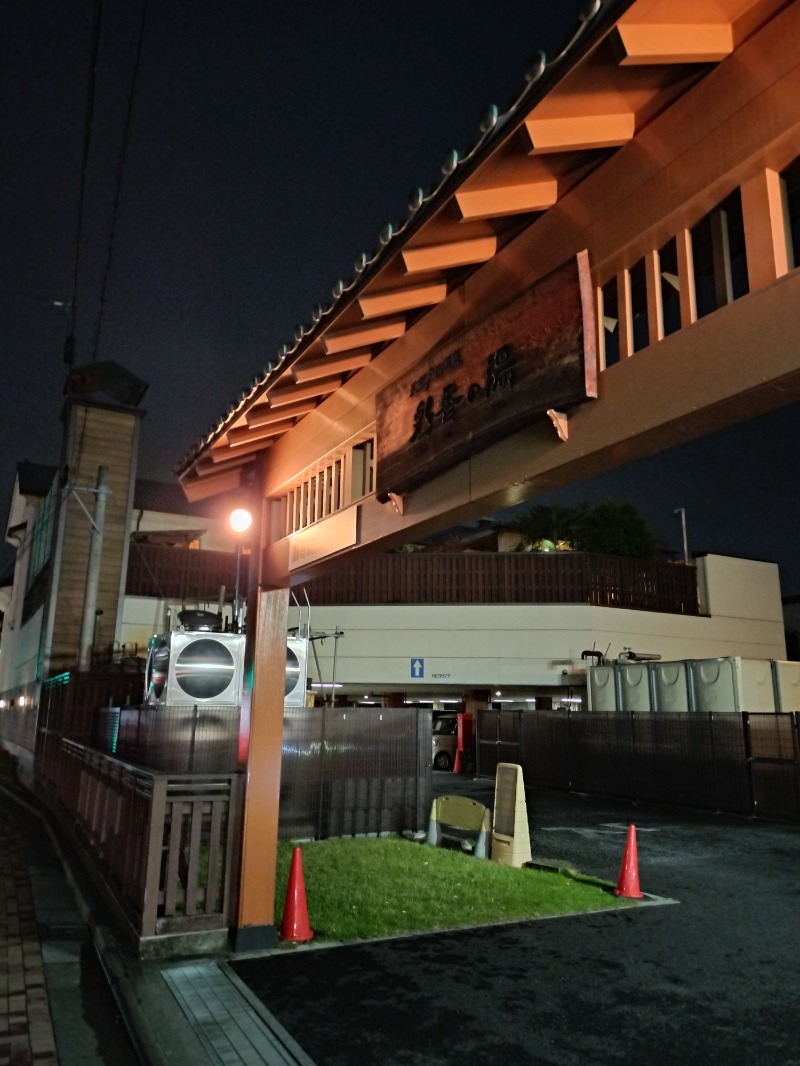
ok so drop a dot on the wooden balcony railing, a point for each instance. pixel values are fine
(182, 573)
(509, 577)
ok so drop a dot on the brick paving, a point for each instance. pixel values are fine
(26, 1028)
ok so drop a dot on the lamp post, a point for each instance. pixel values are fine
(682, 512)
(240, 521)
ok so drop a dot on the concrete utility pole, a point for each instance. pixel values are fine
(89, 619)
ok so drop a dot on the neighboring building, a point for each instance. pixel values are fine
(401, 645)
(73, 608)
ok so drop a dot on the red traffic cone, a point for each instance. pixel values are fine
(295, 912)
(457, 763)
(628, 883)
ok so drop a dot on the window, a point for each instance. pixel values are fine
(720, 263)
(791, 193)
(363, 470)
(670, 287)
(42, 535)
(641, 328)
(609, 327)
(335, 483)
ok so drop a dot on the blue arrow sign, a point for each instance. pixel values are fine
(417, 667)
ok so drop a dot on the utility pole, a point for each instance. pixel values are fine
(682, 512)
(89, 620)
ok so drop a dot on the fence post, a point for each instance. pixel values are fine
(748, 761)
(155, 844)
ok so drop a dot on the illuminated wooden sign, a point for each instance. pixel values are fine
(535, 354)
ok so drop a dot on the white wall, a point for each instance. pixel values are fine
(736, 588)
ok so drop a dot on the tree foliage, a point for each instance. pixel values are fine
(610, 528)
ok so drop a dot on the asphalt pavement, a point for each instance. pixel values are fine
(713, 977)
(710, 974)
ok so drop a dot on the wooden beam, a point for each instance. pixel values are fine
(393, 300)
(223, 454)
(451, 254)
(263, 728)
(688, 296)
(201, 488)
(645, 44)
(322, 368)
(293, 393)
(358, 336)
(224, 460)
(245, 435)
(764, 229)
(507, 199)
(264, 415)
(575, 132)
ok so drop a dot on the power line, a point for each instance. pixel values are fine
(118, 186)
(87, 140)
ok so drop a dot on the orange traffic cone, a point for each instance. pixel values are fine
(295, 912)
(457, 763)
(628, 883)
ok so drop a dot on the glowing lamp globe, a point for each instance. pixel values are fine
(240, 520)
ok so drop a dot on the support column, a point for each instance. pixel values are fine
(256, 908)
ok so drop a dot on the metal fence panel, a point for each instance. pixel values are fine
(354, 771)
(738, 763)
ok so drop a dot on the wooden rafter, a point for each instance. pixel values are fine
(393, 300)
(358, 336)
(450, 254)
(640, 44)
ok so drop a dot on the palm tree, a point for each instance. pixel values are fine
(544, 526)
(609, 528)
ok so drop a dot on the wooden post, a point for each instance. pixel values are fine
(764, 229)
(256, 910)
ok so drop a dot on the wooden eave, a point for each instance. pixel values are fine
(626, 63)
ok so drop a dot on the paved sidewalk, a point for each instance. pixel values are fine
(73, 994)
(26, 1028)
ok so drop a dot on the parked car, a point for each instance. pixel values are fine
(445, 741)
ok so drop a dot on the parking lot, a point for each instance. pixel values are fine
(710, 977)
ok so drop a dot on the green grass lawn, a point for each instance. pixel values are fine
(363, 887)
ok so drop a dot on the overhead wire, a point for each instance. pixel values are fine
(72, 463)
(88, 123)
(119, 177)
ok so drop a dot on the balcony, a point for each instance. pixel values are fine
(179, 573)
(509, 577)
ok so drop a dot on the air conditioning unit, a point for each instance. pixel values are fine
(187, 668)
(296, 671)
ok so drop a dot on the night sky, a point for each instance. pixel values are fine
(263, 148)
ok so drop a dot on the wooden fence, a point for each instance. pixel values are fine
(509, 577)
(164, 844)
(182, 573)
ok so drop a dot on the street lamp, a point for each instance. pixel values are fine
(240, 521)
(682, 512)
